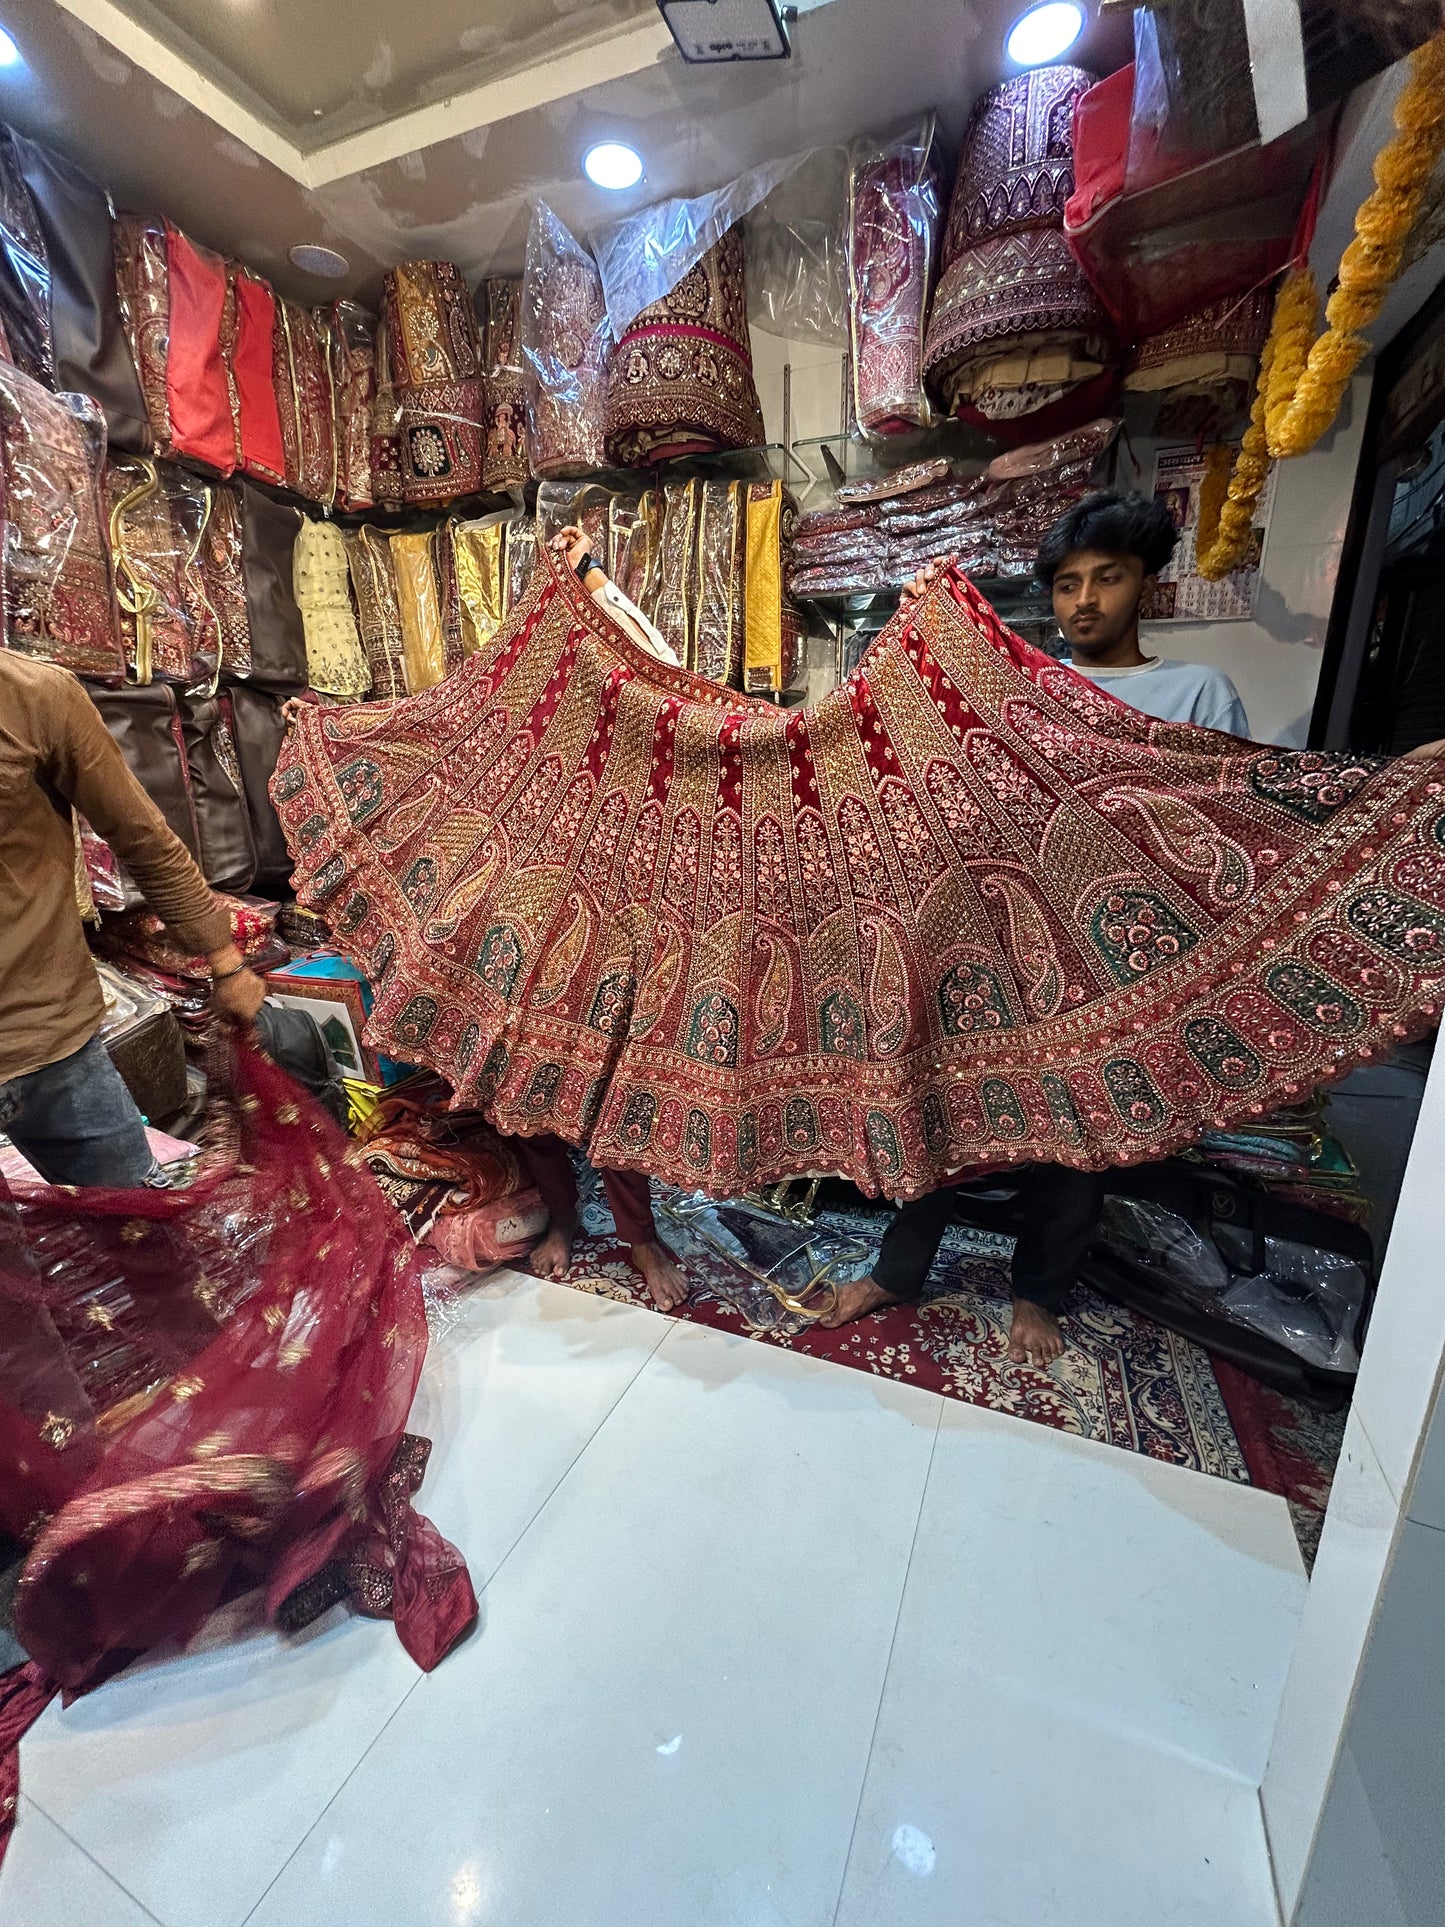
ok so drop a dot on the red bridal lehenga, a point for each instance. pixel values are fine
(204, 1391)
(967, 909)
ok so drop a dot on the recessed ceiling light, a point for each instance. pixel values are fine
(612, 165)
(9, 52)
(1043, 33)
(312, 258)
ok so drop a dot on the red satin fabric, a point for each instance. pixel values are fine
(263, 453)
(203, 1392)
(197, 397)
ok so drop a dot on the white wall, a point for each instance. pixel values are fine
(1378, 1770)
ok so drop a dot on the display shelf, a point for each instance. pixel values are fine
(768, 462)
(1019, 594)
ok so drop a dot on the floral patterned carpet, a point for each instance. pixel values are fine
(1123, 1379)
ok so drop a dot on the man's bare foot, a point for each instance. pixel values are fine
(1036, 1337)
(661, 1274)
(553, 1254)
(856, 1301)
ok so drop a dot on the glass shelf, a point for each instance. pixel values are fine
(857, 455)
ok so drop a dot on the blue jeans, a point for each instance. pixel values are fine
(76, 1122)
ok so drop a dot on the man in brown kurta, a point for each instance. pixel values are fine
(62, 1103)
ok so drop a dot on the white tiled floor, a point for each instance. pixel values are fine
(763, 1641)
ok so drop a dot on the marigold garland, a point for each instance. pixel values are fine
(1306, 392)
(1221, 549)
(1301, 386)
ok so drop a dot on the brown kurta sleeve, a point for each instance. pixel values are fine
(85, 765)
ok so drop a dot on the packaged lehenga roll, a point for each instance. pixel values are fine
(773, 627)
(249, 354)
(336, 664)
(434, 366)
(967, 910)
(1017, 339)
(505, 456)
(565, 340)
(351, 339)
(669, 600)
(681, 377)
(305, 401)
(58, 597)
(387, 487)
(24, 272)
(893, 221)
(373, 581)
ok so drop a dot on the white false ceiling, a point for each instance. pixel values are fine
(390, 129)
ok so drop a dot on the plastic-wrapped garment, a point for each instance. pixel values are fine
(305, 403)
(198, 398)
(385, 452)
(797, 242)
(899, 481)
(418, 596)
(156, 524)
(681, 378)
(57, 587)
(893, 219)
(277, 637)
(92, 356)
(335, 661)
(433, 363)
(636, 571)
(146, 724)
(622, 511)
(670, 603)
(1307, 1300)
(479, 555)
(142, 288)
(208, 1387)
(258, 729)
(351, 334)
(24, 271)
(373, 580)
(1198, 92)
(249, 348)
(506, 458)
(221, 571)
(773, 628)
(522, 560)
(223, 820)
(719, 624)
(896, 850)
(564, 341)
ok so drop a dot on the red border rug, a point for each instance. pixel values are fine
(1123, 1380)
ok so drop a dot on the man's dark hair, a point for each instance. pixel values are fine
(1111, 523)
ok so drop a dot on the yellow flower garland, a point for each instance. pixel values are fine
(1301, 386)
(1304, 399)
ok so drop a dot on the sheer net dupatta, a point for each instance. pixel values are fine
(206, 1391)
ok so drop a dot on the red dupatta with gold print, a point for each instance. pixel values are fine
(207, 1390)
(967, 909)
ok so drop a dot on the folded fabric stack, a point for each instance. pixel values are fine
(991, 524)
(140, 944)
(456, 1184)
(1294, 1155)
(1018, 341)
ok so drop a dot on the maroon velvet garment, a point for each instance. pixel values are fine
(206, 1390)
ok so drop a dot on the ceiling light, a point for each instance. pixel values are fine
(9, 52)
(312, 258)
(1043, 33)
(609, 164)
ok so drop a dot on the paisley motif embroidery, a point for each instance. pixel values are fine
(970, 998)
(1136, 932)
